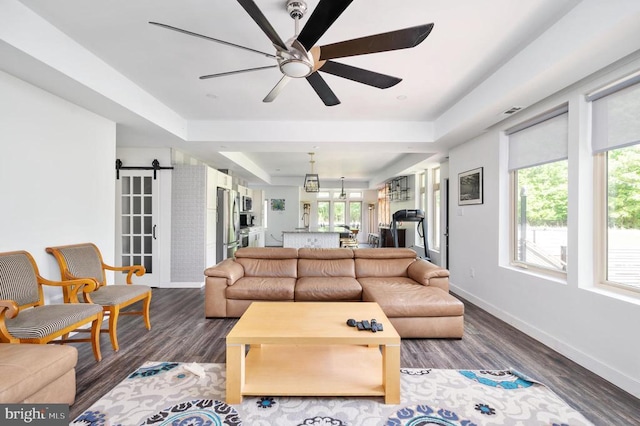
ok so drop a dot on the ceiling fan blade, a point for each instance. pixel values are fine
(277, 89)
(322, 89)
(222, 74)
(323, 16)
(255, 13)
(394, 40)
(381, 81)
(180, 30)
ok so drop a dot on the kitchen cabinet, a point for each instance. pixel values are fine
(223, 180)
(256, 237)
(243, 191)
(386, 237)
(258, 205)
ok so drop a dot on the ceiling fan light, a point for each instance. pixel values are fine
(311, 183)
(295, 68)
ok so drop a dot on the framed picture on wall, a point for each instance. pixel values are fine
(277, 204)
(470, 187)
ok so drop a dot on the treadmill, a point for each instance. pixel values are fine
(407, 215)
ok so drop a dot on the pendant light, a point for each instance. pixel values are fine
(343, 195)
(311, 180)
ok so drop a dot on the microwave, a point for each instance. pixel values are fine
(246, 219)
(247, 204)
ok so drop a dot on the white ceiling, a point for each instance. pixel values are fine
(106, 57)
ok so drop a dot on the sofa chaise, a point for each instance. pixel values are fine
(412, 292)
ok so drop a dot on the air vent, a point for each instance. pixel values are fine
(512, 110)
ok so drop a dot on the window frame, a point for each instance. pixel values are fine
(601, 224)
(436, 208)
(602, 145)
(318, 202)
(384, 207)
(334, 204)
(331, 203)
(513, 249)
(348, 214)
(600, 219)
(514, 195)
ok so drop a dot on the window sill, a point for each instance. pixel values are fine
(615, 292)
(556, 277)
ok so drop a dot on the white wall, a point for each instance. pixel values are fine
(57, 175)
(278, 221)
(596, 328)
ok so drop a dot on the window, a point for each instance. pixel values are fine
(539, 177)
(384, 213)
(339, 213)
(265, 209)
(622, 224)
(616, 145)
(323, 213)
(355, 214)
(422, 178)
(435, 231)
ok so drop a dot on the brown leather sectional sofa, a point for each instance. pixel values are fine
(413, 293)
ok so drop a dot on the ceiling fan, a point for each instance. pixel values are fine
(298, 57)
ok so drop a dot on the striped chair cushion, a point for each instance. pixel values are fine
(45, 320)
(110, 295)
(18, 280)
(84, 262)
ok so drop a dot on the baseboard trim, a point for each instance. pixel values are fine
(197, 284)
(608, 373)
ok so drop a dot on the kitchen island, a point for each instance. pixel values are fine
(321, 237)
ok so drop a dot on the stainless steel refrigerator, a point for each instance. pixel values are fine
(228, 224)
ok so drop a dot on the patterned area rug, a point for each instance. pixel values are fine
(167, 393)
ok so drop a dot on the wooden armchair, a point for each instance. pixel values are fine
(24, 317)
(85, 261)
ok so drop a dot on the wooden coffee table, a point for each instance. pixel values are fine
(307, 349)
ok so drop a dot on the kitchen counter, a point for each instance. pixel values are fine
(321, 237)
(323, 230)
(252, 236)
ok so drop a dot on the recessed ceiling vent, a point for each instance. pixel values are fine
(512, 110)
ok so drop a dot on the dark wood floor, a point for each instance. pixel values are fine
(181, 333)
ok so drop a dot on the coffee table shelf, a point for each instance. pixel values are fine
(334, 370)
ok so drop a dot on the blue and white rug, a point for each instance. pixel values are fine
(167, 393)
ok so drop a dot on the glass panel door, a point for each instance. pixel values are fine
(136, 224)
